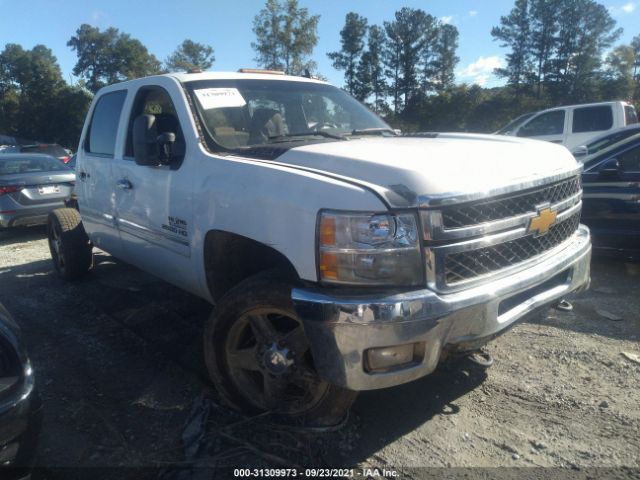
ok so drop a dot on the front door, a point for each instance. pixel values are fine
(154, 207)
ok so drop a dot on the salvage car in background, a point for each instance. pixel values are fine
(599, 143)
(20, 414)
(32, 185)
(52, 149)
(611, 200)
(572, 125)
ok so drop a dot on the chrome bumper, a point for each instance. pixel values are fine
(341, 328)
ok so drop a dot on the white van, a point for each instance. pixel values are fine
(572, 125)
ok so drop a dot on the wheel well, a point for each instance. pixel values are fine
(230, 258)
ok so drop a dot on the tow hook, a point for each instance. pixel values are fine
(563, 305)
(481, 357)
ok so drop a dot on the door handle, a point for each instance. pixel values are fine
(84, 176)
(124, 184)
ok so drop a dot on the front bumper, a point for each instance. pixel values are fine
(341, 329)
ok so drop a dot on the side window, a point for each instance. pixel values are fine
(629, 161)
(592, 119)
(630, 115)
(550, 123)
(101, 137)
(156, 101)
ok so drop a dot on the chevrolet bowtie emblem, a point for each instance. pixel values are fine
(541, 223)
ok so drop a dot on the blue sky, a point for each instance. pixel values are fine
(226, 25)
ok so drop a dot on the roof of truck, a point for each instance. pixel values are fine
(254, 75)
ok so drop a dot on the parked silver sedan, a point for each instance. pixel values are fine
(31, 185)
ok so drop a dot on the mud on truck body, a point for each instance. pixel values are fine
(339, 255)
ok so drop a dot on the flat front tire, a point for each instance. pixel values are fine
(70, 247)
(259, 360)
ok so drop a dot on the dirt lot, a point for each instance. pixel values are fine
(119, 366)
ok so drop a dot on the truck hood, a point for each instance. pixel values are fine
(421, 171)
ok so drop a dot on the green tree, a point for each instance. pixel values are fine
(444, 58)
(375, 51)
(36, 103)
(286, 35)
(352, 38)
(618, 76)
(189, 55)
(110, 56)
(514, 33)
(543, 29)
(407, 37)
(585, 31)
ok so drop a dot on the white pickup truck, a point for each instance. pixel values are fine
(339, 255)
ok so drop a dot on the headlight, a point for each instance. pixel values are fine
(369, 249)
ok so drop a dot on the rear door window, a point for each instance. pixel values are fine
(550, 123)
(630, 115)
(101, 137)
(592, 119)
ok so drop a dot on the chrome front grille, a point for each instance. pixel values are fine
(467, 242)
(509, 205)
(463, 266)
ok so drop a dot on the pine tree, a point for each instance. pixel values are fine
(348, 58)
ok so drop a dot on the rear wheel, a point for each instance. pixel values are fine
(71, 249)
(258, 357)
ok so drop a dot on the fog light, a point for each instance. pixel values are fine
(385, 358)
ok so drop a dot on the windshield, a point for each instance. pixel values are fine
(17, 164)
(239, 114)
(51, 149)
(513, 124)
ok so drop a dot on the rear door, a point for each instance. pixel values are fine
(588, 123)
(95, 186)
(612, 198)
(549, 126)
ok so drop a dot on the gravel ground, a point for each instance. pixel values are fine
(118, 363)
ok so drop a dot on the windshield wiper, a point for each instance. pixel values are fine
(373, 131)
(311, 133)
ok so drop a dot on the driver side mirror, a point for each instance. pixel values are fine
(580, 151)
(149, 149)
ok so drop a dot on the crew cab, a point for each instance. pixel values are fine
(572, 125)
(339, 255)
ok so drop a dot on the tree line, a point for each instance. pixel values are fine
(558, 52)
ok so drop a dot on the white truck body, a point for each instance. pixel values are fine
(161, 218)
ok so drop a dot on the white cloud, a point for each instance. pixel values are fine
(473, 13)
(481, 71)
(446, 19)
(623, 9)
(98, 17)
(481, 79)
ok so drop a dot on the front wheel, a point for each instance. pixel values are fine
(70, 247)
(258, 357)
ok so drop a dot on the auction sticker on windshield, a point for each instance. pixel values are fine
(219, 98)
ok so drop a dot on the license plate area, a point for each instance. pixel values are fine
(48, 189)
